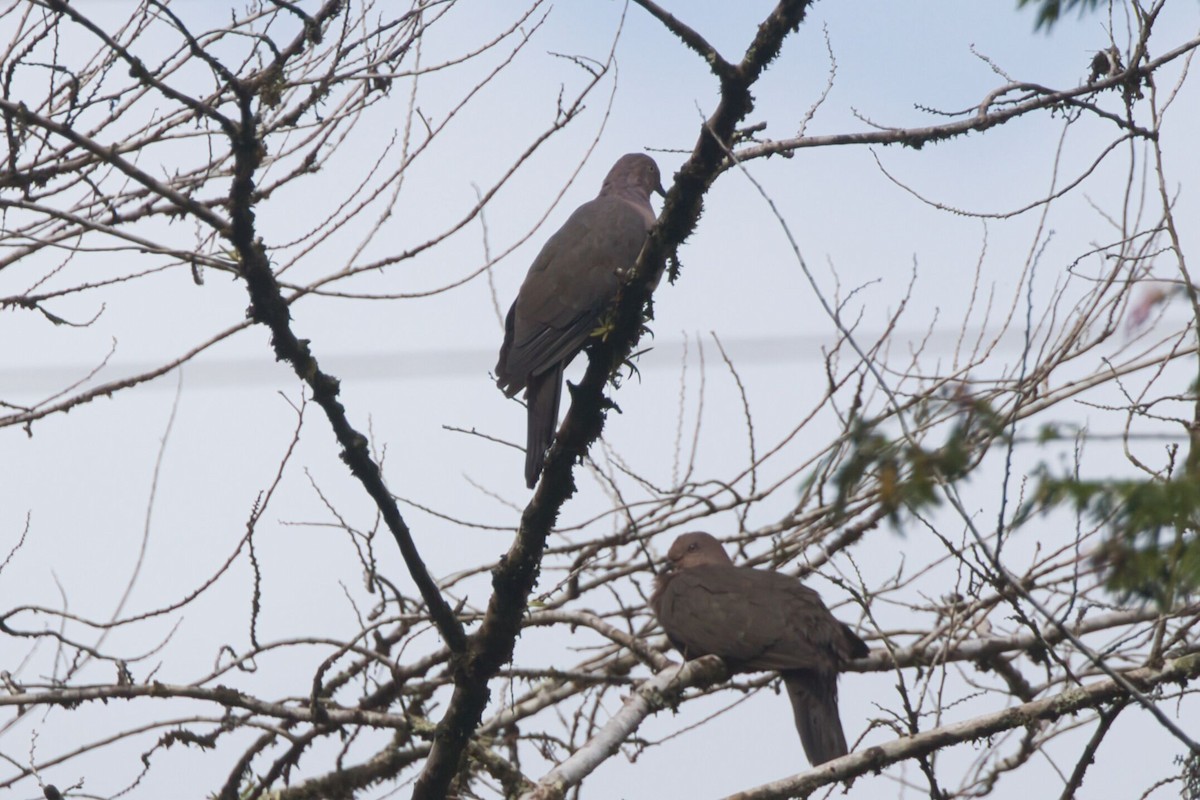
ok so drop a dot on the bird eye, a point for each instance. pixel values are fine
(692, 547)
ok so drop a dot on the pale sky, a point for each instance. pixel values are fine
(412, 369)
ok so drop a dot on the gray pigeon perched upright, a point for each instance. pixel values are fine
(572, 281)
(759, 620)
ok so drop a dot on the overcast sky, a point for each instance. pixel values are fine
(413, 370)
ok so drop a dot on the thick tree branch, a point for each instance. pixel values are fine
(201, 108)
(219, 695)
(268, 306)
(986, 116)
(664, 690)
(690, 37)
(872, 759)
(492, 646)
(108, 155)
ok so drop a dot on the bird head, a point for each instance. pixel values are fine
(633, 174)
(696, 549)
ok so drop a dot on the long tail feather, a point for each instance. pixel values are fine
(542, 396)
(815, 706)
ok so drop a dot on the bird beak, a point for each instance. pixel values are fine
(659, 190)
(668, 567)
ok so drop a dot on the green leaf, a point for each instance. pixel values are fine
(1049, 11)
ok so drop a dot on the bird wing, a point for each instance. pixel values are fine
(572, 280)
(754, 619)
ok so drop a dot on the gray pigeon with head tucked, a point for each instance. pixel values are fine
(759, 620)
(572, 282)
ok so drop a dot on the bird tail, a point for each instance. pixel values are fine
(815, 706)
(542, 394)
